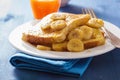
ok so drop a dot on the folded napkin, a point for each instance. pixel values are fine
(73, 67)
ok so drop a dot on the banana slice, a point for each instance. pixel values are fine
(90, 43)
(59, 46)
(87, 31)
(97, 39)
(41, 47)
(76, 33)
(97, 33)
(45, 26)
(58, 25)
(94, 42)
(101, 41)
(58, 16)
(95, 23)
(75, 45)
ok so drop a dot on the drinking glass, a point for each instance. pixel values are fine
(41, 8)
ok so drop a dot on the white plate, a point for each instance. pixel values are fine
(15, 40)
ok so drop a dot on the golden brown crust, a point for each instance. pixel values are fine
(36, 39)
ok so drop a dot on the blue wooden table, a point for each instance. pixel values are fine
(103, 67)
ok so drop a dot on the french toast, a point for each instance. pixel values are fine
(66, 32)
(45, 35)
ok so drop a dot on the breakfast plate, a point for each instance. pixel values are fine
(16, 41)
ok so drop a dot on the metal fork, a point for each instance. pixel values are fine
(114, 40)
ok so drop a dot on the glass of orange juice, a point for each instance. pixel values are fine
(41, 8)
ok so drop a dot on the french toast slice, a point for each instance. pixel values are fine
(45, 35)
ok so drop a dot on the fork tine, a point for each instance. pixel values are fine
(93, 14)
(83, 11)
(86, 11)
(89, 11)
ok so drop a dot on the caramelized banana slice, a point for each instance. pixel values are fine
(95, 23)
(58, 25)
(87, 32)
(75, 45)
(97, 33)
(58, 16)
(76, 33)
(90, 43)
(101, 41)
(45, 26)
(94, 42)
(42, 47)
(59, 46)
(97, 39)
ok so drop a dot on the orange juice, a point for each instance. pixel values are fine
(41, 8)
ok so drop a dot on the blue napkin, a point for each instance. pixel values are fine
(73, 67)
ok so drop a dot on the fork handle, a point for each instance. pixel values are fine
(115, 40)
